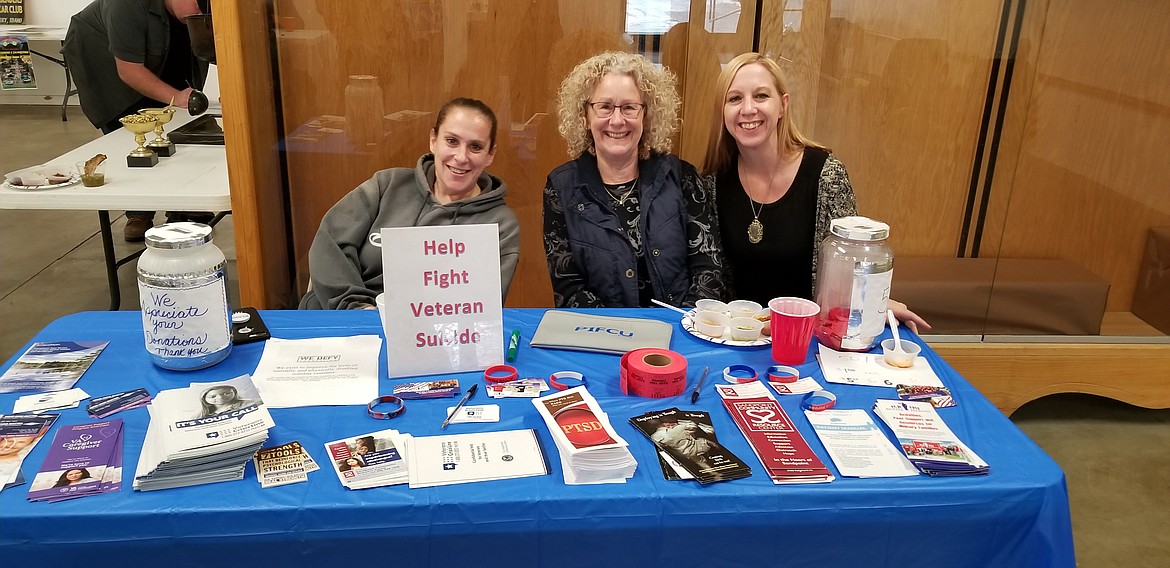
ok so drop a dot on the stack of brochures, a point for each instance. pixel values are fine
(283, 465)
(467, 458)
(51, 366)
(19, 433)
(204, 433)
(857, 446)
(83, 460)
(688, 447)
(784, 452)
(590, 449)
(370, 460)
(926, 440)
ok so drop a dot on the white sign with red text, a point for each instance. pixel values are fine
(443, 308)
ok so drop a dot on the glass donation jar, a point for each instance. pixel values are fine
(182, 288)
(855, 268)
(363, 110)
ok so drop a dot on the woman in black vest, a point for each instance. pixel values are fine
(625, 221)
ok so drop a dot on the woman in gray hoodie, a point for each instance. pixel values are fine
(448, 186)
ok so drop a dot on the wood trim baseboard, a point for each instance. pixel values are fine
(1011, 375)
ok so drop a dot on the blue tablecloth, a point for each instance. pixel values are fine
(1016, 516)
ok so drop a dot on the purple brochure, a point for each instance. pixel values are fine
(77, 461)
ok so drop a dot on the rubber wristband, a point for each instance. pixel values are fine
(389, 398)
(783, 374)
(500, 374)
(808, 404)
(554, 380)
(731, 378)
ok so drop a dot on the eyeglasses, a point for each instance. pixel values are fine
(605, 110)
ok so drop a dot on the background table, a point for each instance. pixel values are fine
(194, 179)
(1016, 516)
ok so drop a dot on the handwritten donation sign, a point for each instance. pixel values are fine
(188, 322)
(443, 312)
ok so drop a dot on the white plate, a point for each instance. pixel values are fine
(73, 179)
(688, 324)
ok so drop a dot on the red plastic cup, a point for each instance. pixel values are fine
(793, 321)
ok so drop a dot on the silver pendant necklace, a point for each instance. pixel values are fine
(622, 199)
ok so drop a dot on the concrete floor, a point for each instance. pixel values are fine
(1116, 457)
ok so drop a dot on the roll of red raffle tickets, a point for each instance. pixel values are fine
(653, 373)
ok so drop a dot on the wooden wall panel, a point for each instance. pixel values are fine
(250, 133)
(707, 51)
(1092, 170)
(795, 38)
(511, 54)
(899, 98)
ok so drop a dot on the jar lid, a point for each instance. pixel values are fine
(859, 228)
(178, 235)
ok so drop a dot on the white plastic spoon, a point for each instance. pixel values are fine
(668, 306)
(688, 313)
(897, 337)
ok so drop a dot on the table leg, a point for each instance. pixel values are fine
(68, 80)
(111, 260)
(69, 91)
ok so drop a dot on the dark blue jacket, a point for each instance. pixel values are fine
(603, 268)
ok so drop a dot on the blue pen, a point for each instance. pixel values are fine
(513, 343)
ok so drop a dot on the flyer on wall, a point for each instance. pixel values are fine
(16, 66)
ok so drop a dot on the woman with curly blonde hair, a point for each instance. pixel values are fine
(625, 221)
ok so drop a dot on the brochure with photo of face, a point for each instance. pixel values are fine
(688, 438)
(19, 433)
(77, 462)
(370, 460)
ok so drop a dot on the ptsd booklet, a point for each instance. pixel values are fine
(51, 366)
(590, 449)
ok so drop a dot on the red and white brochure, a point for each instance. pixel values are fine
(779, 446)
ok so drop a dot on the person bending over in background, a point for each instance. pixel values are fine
(127, 55)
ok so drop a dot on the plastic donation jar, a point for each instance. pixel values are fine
(855, 267)
(186, 318)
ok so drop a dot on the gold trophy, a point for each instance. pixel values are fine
(140, 124)
(161, 144)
